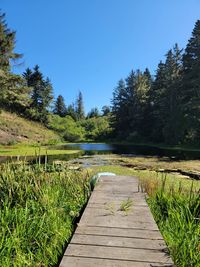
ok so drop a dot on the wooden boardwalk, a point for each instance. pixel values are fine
(107, 236)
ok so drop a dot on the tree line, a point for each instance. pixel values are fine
(31, 94)
(165, 107)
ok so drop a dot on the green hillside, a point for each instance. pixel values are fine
(15, 129)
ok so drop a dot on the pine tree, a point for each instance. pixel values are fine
(13, 92)
(60, 107)
(71, 111)
(93, 113)
(120, 109)
(190, 101)
(172, 130)
(7, 45)
(27, 75)
(41, 94)
(165, 99)
(80, 107)
(105, 110)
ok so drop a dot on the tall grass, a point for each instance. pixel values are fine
(177, 213)
(38, 206)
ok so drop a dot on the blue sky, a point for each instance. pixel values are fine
(88, 45)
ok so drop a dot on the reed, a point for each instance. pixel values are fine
(38, 206)
(177, 213)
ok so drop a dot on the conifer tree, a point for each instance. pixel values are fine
(105, 110)
(41, 93)
(190, 101)
(13, 93)
(93, 113)
(7, 45)
(60, 107)
(71, 111)
(120, 109)
(80, 107)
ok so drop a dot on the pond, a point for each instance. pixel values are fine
(102, 148)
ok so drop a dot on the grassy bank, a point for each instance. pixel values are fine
(15, 129)
(177, 214)
(37, 209)
(32, 150)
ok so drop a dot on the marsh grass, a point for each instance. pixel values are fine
(177, 213)
(37, 211)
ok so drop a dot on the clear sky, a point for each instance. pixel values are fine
(89, 45)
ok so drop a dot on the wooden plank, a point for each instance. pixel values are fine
(107, 236)
(130, 254)
(90, 262)
(115, 241)
(120, 232)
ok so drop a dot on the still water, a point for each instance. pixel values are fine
(102, 148)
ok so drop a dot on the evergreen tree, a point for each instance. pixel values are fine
(71, 111)
(143, 82)
(60, 107)
(80, 107)
(13, 92)
(27, 75)
(41, 94)
(93, 113)
(165, 99)
(120, 109)
(105, 110)
(7, 45)
(172, 130)
(190, 101)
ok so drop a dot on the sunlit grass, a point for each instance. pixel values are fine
(32, 150)
(152, 177)
(38, 206)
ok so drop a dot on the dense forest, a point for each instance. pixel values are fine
(161, 108)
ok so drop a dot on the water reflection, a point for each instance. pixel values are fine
(92, 149)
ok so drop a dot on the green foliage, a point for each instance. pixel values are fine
(7, 45)
(96, 128)
(165, 109)
(190, 89)
(41, 94)
(178, 218)
(80, 107)
(76, 131)
(37, 212)
(67, 127)
(60, 108)
(93, 113)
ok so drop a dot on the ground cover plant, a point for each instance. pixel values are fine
(38, 206)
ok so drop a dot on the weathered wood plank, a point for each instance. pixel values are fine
(120, 232)
(115, 241)
(130, 254)
(107, 236)
(90, 262)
